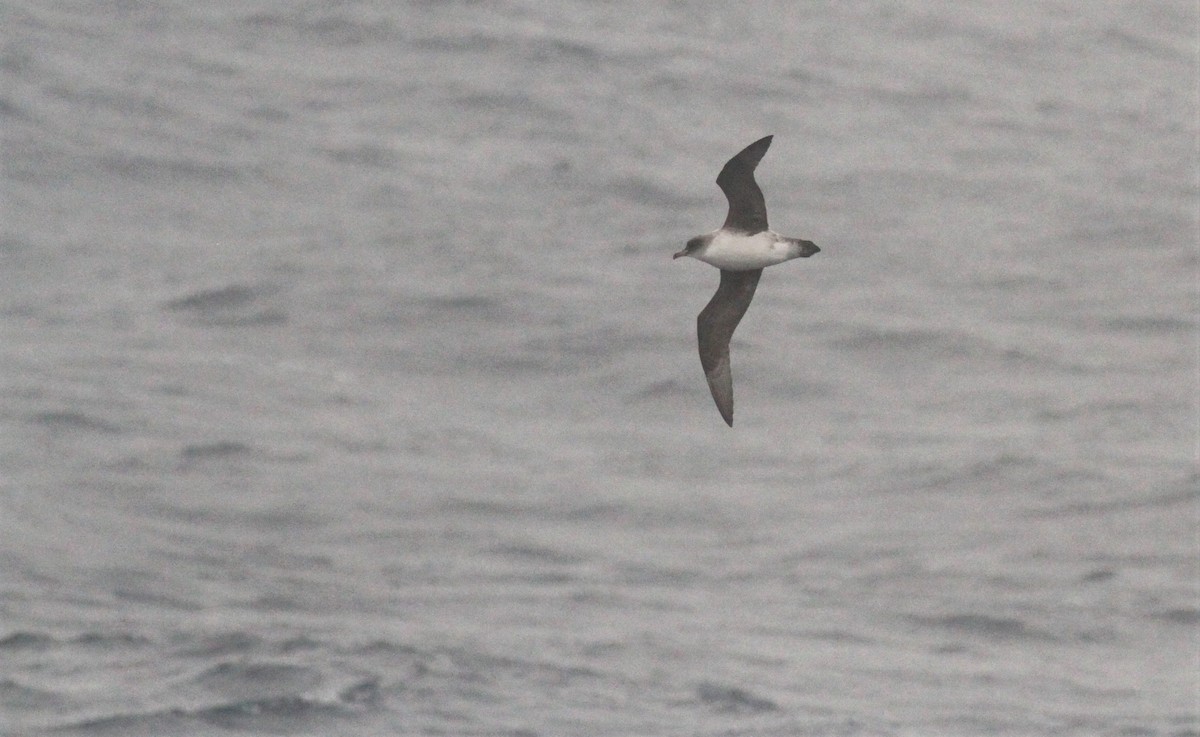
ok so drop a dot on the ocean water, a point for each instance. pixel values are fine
(349, 386)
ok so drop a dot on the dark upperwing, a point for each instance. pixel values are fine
(715, 326)
(747, 209)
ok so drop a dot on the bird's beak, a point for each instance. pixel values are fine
(681, 254)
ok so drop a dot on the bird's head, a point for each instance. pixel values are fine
(692, 248)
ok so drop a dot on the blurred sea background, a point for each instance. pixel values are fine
(349, 386)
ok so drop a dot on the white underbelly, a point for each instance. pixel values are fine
(743, 252)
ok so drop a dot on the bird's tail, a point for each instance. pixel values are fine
(802, 248)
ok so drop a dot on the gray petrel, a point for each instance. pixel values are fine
(741, 249)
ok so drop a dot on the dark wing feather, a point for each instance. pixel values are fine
(747, 210)
(715, 326)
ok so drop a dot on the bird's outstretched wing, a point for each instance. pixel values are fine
(747, 209)
(715, 326)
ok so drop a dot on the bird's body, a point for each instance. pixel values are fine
(741, 249)
(734, 251)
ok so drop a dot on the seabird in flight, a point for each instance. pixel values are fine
(741, 249)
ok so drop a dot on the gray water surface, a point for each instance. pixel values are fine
(349, 386)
